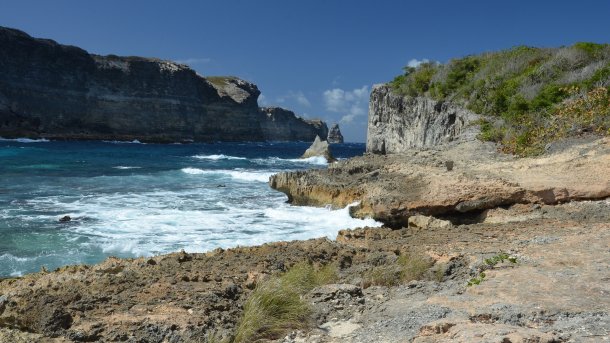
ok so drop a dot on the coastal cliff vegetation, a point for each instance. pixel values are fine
(529, 96)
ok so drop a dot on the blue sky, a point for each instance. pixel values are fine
(317, 58)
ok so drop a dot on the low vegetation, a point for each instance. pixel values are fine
(528, 96)
(406, 268)
(275, 306)
(489, 264)
(219, 81)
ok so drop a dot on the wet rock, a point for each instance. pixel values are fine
(65, 219)
(184, 257)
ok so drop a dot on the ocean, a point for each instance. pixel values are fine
(128, 199)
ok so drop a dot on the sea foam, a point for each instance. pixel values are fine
(219, 157)
(24, 140)
(243, 175)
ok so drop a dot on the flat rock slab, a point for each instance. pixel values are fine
(391, 188)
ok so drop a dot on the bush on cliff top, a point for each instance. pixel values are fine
(524, 92)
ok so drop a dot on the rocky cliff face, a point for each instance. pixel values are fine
(283, 125)
(62, 92)
(334, 134)
(397, 123)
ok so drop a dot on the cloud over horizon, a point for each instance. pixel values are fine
(351, 104)
(414, 62)
(297, 96)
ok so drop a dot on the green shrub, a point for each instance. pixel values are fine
(491, 263)
(415, 81)
(489, 132)
(549, 95)
(592, 49)
(601, 75)
(460, 71)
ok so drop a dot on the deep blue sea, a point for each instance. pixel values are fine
(131, 199)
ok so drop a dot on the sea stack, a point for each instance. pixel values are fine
(319, 148)
(334, 135)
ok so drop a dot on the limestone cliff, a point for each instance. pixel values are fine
(398, 123)
(334, 134)
(63, 92)
(284, 125)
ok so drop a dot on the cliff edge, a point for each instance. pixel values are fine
(62, 92)
(398, 123)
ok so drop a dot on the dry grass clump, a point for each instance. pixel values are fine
(406, 268)
(275, 306)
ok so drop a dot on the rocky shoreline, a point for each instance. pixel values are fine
(457, 181)
(557, 291)
(477, 246)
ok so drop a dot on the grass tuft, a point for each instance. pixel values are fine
(275, 306)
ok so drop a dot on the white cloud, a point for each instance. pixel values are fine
(262, 100)
(194, 60)
(348, 118)
(414, 63)
(351, 104)
(299, 97)
(302, 99)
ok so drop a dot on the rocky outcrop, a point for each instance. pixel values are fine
(549, 295)
(62, 92)
(284, 125)
(319, 148)
(334, 135)
(398, 123)
(392, 188)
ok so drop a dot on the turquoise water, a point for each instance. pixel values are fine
(128, 200)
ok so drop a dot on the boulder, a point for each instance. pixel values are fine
(319, 148)
(427, 222)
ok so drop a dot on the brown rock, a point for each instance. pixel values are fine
(411, 183)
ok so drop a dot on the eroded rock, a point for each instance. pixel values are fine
(393, 188)
(319, 148)
(334, 135)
